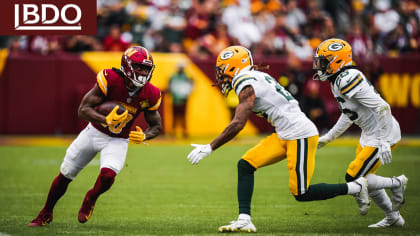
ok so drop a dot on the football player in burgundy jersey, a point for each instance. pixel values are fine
(131, 88)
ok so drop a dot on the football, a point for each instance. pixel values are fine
(106, 107)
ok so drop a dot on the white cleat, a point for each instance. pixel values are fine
(389, 222)
(362, 198)
(240, 225)
(398, 193)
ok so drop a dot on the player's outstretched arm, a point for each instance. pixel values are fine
(89, 101)
(155, 124)
(343, 123)
(244, 108)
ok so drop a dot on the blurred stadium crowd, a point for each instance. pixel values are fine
(202, 28)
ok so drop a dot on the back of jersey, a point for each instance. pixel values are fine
(276, 104)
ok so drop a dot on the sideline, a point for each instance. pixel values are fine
(167, 140)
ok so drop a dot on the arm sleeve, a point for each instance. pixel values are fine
(343, 123)
(382, 111)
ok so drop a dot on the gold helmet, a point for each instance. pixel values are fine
(229, 63)
(330, 57)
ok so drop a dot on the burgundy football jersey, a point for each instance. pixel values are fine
(112, 85)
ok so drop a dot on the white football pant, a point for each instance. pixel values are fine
(84, 148)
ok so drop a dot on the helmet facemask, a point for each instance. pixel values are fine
(138, 73)
(223, 81)
(142, 73)
(322, 66)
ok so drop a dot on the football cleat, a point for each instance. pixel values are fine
(398, 193)
(85, 211)
(240, 225)
(42, 219)
(389, 222)
(362, 198)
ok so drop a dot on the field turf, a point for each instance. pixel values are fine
(160, 193)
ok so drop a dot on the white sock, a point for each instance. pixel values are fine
(354, 188)
(244, 217)
(376, 182)
(382, 200)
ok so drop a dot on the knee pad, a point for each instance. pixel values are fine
(244, 166)
(69, 171)
(349, 178)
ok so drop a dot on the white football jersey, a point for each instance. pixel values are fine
(276, 104)
(361, 103)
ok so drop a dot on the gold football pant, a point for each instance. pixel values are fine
(300, 155)
(366, 162)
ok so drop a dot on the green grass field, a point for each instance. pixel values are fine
(160, 193)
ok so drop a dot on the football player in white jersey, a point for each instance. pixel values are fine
(295, 139)
(362, 105)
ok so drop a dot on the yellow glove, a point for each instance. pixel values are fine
(137, 136)
(112, 119)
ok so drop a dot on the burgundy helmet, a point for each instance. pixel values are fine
(135, 60)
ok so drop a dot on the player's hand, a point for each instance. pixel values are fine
(137, 136)
(199, 152)
(385, 155)
(322, 141)
(112, 119)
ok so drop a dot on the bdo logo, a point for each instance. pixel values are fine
(48, 17)
(31, 10)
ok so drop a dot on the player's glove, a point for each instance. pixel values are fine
(112, 119)
(385, 155)
(323, 140)
(137, 136)
(199, 152)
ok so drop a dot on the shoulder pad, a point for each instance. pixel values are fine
(105, 78)
(348, 81)
(102, 80)
(242, 77)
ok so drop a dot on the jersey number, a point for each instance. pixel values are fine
(279, 88)
(119, 127)
(351, 114)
